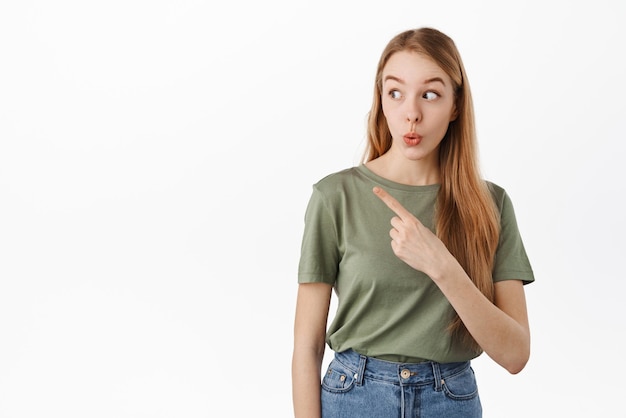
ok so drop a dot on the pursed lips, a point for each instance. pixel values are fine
(412, 139)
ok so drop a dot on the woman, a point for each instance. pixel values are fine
(412, 313)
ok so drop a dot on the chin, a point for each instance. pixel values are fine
(417, 155)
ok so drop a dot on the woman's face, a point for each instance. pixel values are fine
(418, 103)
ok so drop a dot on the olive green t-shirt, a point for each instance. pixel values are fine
(385, 308)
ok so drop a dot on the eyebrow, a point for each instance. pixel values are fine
(427, 81)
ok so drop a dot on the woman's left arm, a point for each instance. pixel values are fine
(500, 328)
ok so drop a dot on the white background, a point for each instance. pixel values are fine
(156, 159)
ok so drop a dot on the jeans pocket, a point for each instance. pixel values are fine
(461, 386)
(338, 378)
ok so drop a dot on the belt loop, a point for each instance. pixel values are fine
(437, 374)
(361, 371)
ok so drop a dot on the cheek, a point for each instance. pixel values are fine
(444, 124)
(385, 107)
(389, 111)
(439, 125)
(387, 114)
(444, 117)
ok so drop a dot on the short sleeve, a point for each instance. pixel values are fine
(319, 253)
(511, 261)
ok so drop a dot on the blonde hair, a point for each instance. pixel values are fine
(466, 220)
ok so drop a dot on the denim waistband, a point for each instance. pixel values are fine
(400, 373)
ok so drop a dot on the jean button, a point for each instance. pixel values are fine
(405, 373)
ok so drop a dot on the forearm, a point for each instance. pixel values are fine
(505, 339)
(308, 348)
(306, 379)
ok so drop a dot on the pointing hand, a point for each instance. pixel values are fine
(411, 241)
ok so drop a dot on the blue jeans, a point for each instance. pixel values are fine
(362, 387)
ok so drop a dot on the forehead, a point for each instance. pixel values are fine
(413, 67)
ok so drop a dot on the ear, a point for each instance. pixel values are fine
(454, 113)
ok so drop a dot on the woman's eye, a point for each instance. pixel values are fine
(430, 95)
(395, 94)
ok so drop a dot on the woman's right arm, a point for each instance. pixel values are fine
(312, 307)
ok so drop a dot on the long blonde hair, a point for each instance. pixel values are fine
(466, 219)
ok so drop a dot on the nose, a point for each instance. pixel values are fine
(413, 114)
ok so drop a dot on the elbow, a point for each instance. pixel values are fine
(516, 367)
(516, 364)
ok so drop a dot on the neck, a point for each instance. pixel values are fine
(404, 171)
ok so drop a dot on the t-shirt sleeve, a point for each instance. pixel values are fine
(319, 253)
(511, 261)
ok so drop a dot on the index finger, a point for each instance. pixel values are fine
(392, 204)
